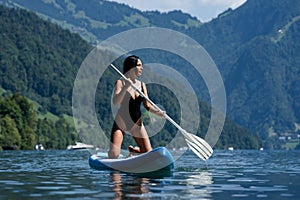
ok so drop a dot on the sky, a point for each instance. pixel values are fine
(204, 10)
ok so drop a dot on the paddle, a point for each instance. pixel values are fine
(199, 146)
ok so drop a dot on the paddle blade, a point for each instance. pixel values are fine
(199, 146)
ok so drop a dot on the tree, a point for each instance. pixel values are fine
(17, 113)
(9, 134)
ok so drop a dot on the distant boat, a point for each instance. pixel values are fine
(230, 148)
(80, 145)
(39, 147)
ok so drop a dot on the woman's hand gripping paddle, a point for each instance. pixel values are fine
(199, 146)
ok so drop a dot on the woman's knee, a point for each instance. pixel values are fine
(113, 154)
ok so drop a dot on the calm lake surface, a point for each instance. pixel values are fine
(227, 175)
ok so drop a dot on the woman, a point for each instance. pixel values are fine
(129, 114)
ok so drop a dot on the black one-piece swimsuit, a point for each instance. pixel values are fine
(130, 111)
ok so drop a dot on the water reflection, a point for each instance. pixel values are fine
(128, 186)
(200, 183)
(202, 178)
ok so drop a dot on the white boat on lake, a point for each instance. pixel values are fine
(80, 145)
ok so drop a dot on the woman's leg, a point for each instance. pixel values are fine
(141, 138)
(116, 139)
(115, 144)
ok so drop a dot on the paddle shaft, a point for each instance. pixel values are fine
(149, 100)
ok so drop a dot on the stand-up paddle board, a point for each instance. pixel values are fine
(159, 159)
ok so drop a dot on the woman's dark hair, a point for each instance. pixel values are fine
(129, 63)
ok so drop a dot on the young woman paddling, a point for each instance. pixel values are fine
(129, 117)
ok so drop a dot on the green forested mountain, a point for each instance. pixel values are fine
(33, 63)
(40, 60)
(38, 57)
(255, 47)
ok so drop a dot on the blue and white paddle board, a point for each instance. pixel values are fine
(159, 159)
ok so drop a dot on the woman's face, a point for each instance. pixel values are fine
(139, 68)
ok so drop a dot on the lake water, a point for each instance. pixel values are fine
(227, 175)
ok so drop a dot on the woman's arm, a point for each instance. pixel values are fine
(148, 105)
(120, 91)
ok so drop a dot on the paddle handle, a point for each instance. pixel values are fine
(149, 100)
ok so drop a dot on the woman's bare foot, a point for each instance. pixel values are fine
(133, 150)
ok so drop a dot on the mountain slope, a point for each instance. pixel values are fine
(33, 59)
(255, 47)
(99, 19)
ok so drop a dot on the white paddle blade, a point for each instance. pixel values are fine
(199, 146)
(196, 151)
(201, 142)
